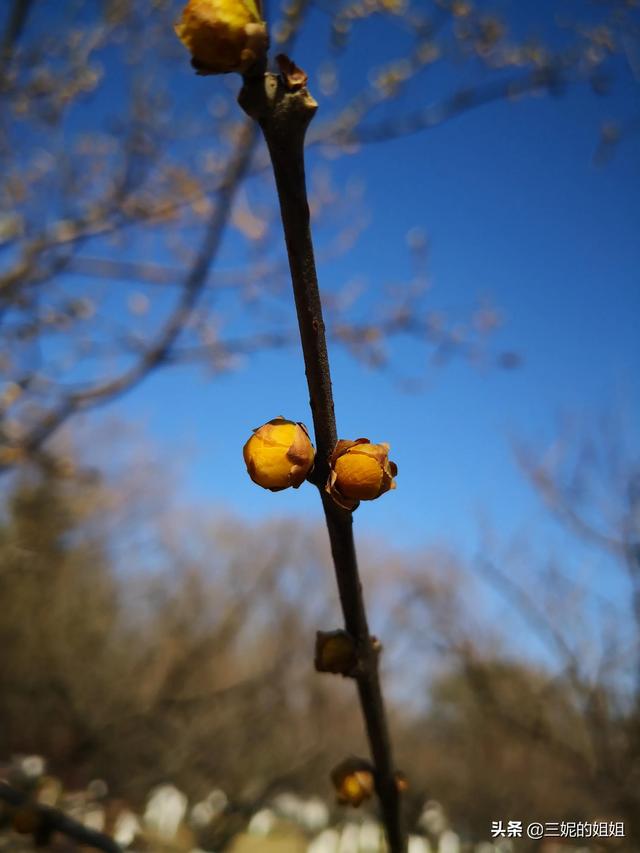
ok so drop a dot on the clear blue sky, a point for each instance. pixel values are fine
(515, 210)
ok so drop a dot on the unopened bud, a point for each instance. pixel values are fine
(279, 454)
(360, 471)
(353, 780)
(223, 35)
(335, 652)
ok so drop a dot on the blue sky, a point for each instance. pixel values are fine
(516, 212)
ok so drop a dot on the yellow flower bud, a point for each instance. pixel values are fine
(353, 780)
(360, 471)
(279, 454)
(222, 35)
(335, 652)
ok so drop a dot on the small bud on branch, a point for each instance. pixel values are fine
(360, 471)
(335, 652)
(279, 454)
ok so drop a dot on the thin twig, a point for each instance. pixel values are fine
(159, 351)
(14, 29)
(57, 821)
(284, 109)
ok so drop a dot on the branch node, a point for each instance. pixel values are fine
(282, 108)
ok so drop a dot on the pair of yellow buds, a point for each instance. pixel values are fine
(279, 454)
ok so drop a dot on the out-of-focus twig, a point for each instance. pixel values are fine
(13, 31)
(160, 349)
(56, 821)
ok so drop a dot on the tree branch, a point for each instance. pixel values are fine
(57, 821)
(15, 26)
(345, 129)
(160, 349)
(284, 108)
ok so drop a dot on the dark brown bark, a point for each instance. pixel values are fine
(284, 108)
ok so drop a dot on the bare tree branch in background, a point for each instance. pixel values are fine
(587, 477)
(50, 820)
(93, 194)
(136, 634)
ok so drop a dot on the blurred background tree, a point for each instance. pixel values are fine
(143, 641)
(194, 668)
(537, 710)
(137, 226)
